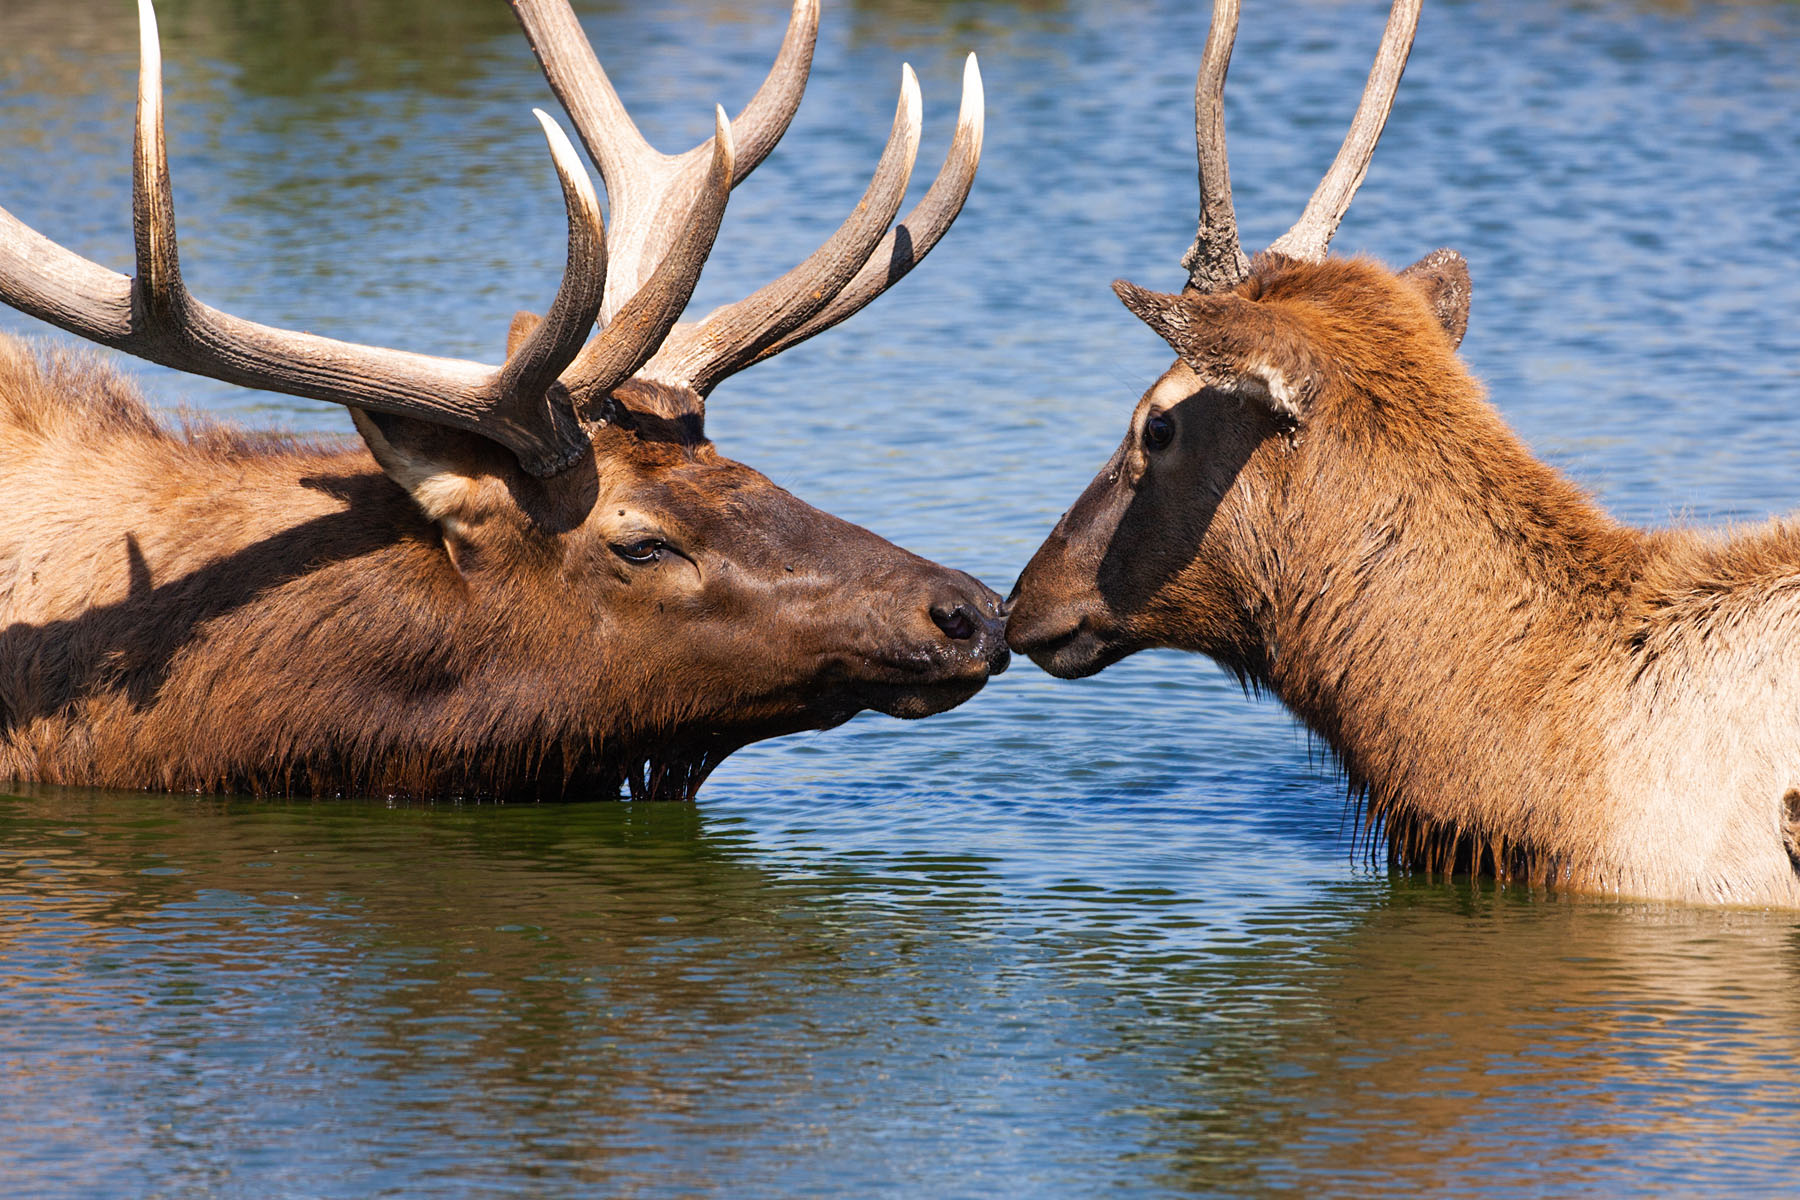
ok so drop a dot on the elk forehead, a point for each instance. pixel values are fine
(1177, 383)
(1254, 379)
(1295, 334)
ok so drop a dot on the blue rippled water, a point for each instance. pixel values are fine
(1111, 936)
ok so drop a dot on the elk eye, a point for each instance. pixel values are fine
(1159, 431)
(645, 551)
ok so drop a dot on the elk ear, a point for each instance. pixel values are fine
(523, 323)
(1442, 277)
(437, 467)
(1224, 334)
(1164, 313)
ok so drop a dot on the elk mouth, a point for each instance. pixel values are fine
(1067, 652)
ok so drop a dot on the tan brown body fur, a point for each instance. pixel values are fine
(154, 543)
(1517, 682)
(209, 610)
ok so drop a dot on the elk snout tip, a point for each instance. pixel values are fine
(958, 623)
(976, 629)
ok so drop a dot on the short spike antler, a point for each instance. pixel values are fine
(1310, 238)
(1215, 261)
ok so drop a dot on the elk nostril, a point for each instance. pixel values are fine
(958, 623)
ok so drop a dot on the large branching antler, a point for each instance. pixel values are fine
(862, 259)
(1216, 261)
(649, 192)
(645, 186)
(909, 241)
(153, 316)
(635, 277)
(700, 354)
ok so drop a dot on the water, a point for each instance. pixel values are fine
(1073, 938)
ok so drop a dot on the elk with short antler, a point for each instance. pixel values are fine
(537, 579)
(1318, 495)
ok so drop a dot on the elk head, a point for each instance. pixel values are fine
(1281, 360)
(573, 487)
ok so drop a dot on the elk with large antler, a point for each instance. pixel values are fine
(545, 581)
(1318, 495)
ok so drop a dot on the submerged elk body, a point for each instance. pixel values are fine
(1318, 495)
(532, 579)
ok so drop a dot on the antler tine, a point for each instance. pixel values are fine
(772, 108)
(908, 242)
(154, 317)
(1310, 237)
(640, 326)
(159, 288)
(1216, 260)
(730, 338)
(649, 191)
(535, 366)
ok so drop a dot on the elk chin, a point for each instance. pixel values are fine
(910, 703)
(936, 672)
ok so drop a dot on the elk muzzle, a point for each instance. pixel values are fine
(944, 644)
(1058, 613)
(1063, 627)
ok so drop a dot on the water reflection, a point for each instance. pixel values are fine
(1421, 1042)
(515, 974)
(561, 988)
(553, 994)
